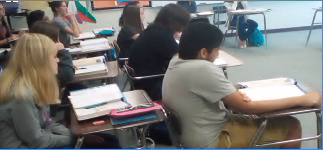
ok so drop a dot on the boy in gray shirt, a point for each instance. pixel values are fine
(197, 90)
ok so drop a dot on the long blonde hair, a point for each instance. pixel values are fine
(29, 70)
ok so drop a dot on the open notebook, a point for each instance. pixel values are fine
(96, 101)
(270, 89)
(92, 65)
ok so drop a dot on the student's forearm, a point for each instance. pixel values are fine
(255, 107)
(78, 25)
(4, 41)
(74, 27)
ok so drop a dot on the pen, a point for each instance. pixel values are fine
(80, 68)
(93, 106)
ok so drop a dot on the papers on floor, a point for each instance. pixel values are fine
(96, 101)
(92, 65)
(86, 35)
(271, 89)
(220, 62)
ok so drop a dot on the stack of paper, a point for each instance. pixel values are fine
(95, 44)
(205, 13)
(220, 62)
(90, 66)
(96, 101)
(86, 35)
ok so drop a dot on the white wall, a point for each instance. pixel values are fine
(284, 14)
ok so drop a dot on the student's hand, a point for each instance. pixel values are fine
(70, 15)
(245, 97)
(93, 138)
(311, 99)
(75, 67)
(59, 46)
(21, 32)
(13, 37)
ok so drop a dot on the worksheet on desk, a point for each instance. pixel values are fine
(272, 92)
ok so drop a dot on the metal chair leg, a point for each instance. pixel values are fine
(237, 29)
(125, 84)
(79, 142)
(225, 34)
(309, 34)
(265, 29)
(258, 133)
(318, 126)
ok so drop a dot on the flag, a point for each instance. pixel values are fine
(80, 12)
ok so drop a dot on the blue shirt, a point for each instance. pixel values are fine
(189, 7)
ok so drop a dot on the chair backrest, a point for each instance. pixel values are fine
(116, 48)
(130, 73)
(173, 125)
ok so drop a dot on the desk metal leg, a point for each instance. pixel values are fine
(218, 20)
(142, 136)
(319, 128)
(265, 25)
(309, 34)
(225, 72)
(79, 142)
(258, 134)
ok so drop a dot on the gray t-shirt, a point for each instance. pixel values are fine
(194, 89)
(64, 37)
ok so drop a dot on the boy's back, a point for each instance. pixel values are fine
(193, 88)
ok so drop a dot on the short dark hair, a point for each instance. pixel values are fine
(35, 16)
(199, 35)
(55, 4)
(132, 3)
(131, 18)
(173, 17)
(45, 28)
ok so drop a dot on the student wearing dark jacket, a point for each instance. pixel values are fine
(65, 66)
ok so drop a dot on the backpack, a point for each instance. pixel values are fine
(256, 39)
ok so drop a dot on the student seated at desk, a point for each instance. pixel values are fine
(28, 86)
(65, 66)
(197, 90)
(35, 16)
(132, 26)
(65, 28)
(5, 35)
(244, 23)
(154, 48)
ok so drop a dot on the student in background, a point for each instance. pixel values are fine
(132, 3)
(153, 49)
(5, 35)
(132, 26)
(65, 28)
(244, 22)
(35, 16)
(197, 90)
(188, 5)
(28, 86)
(65, 66)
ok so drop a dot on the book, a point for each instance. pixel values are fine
(131, 119)
(220, 62)
(102, 110)
(97, 31)
(95, 44)
(92, 65)
(85, 35)
(272, 89)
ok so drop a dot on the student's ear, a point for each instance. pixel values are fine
(203, 53)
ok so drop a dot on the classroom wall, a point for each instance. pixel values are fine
(284, 14)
